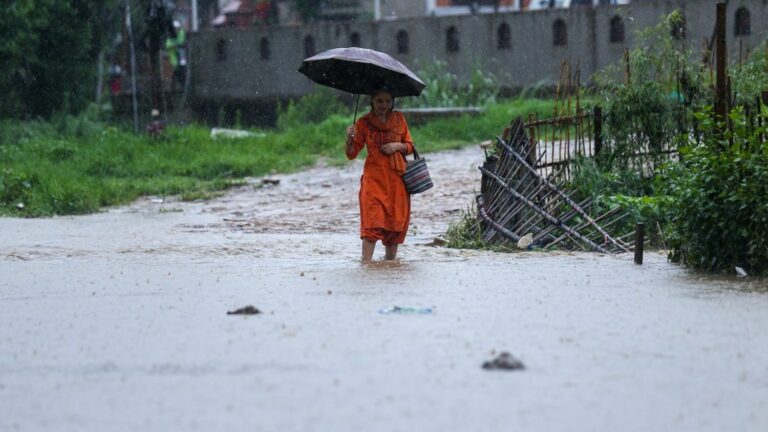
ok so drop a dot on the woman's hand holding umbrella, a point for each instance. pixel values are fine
(350, 139)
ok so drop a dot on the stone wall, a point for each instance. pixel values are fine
(259, 65)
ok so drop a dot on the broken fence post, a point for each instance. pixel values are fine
(598, 124)
(639, 242)
(721, 61)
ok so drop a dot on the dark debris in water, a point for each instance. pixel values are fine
(248, 310)
(505, 361)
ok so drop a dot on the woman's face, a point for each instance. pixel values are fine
(382, 102)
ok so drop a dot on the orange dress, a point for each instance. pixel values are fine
(385, 205)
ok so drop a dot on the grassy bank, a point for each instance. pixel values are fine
(76, 166)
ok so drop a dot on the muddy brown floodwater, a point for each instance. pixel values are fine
(118, 321)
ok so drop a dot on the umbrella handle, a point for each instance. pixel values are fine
(357, 101)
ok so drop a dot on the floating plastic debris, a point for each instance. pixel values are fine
(406, 310)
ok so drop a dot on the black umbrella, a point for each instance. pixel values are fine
(361, 71)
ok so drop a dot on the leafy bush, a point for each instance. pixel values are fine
(641, 125)
(15, 188)
(312, 108)
(645, 115)
(591, 180)
(750, 79)
(467, 234)
(441, 89)
(720, 189)
(626, 189)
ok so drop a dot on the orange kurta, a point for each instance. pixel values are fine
(384, 202)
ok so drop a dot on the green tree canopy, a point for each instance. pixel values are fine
(49, 50)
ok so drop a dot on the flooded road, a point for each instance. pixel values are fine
(117, 321)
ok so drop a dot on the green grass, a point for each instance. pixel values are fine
(76, 167)
(457, 133)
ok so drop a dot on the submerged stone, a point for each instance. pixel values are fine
(247, 310)
(505, 361)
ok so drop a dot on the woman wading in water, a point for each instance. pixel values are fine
(385, 205)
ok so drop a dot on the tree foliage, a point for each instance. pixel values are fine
(49, 50)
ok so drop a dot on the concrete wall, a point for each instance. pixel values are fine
(403, 8)
(243, 77)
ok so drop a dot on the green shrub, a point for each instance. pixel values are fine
(310, 109)
(719, 211)
(750, 79)
(441, 90)
(15, 187)
(626, 189)
(645, 116)
(591, 179)
(467, 234)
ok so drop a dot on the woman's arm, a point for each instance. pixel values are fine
(354, 142)
(406, 138)
(405, 145)
(392, 147)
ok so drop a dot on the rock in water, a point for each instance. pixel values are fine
(504, 361)
(248, 310)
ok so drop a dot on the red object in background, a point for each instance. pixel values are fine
(449, 3)
(262, 11)
(243, 13)
(156, 126)
(115, 85)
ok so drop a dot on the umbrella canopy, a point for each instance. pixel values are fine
(361, 71)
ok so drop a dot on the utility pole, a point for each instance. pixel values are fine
(133, 66)
(431, 5)
(721, 59)
(194, 16)
(377, 10)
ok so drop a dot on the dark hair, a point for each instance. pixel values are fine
(386, 90)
